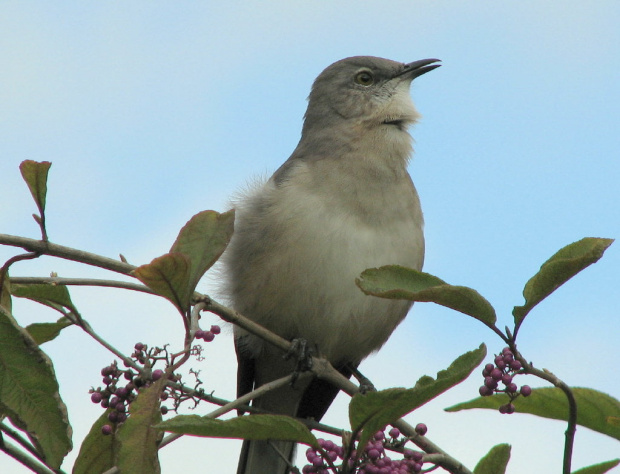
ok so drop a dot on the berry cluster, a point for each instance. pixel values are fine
(208, 336)
(504, 370)
(117, 394)
(373, 460)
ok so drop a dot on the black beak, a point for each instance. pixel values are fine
(417, 68)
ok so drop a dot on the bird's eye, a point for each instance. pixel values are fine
(364, 78)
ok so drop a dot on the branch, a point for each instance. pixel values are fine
(68, 253)
(17, 437)
(569, 439)
(82, 282)
(444, 460)
(243, 400)
(23, 458)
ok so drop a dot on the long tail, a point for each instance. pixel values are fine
(261, 457)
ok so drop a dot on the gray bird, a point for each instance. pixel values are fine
(342, 202)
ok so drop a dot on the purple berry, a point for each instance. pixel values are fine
(373, 453)
(394, 433)
(506, 379)
(487, 370)
(485, 391)
(515, 365)
(511, 388)
(421, 429)
(208, 336)
(496, 374)
(215, 329)
(113, 416)
(499, 362)
(379, 435)
(157, 374)
(510, 409)
(199, 334)
(490, 382)
(163, 410)
(96, 397)
(328, 445)
(105, 403)
(121, 392)
(526, 390)
(106, 430)
(139, 346)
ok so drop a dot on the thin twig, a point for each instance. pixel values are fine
(21, 440)
(243, 400)
(68, 253)
(447, 462)
(82, 282)
(23, 458)
(17, 258)
(569, 439)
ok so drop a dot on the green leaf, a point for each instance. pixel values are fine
(202, 240)
(97, 451)
(373, 411)
(254, 427)
(168, 276)
(29, 391)
(601, 468)
(35, 175)
(595, 410)
(495, 461)
(55, 296)
(138, 438)
(45, 332)
(396, 282)
(556, 271)
(5, 294)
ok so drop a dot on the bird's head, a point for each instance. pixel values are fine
(365, 91)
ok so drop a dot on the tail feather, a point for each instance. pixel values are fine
(266, 457)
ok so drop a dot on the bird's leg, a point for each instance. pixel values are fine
(365, 384)
(303, 355)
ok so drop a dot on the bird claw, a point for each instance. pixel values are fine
(303, 355)
(365, 384)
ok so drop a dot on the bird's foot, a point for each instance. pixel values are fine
(303, 355)
(365, 384)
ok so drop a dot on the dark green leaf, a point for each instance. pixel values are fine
(495, 461)
(372, 411)
(595, 410)
(44, 332)
(168, 276)
(138, 438)
(202, 240)
(97, 451)
(29, 391)
(255, 427)
(396, 282)
(601, 468)
(5, 294)
(35, 175)
(556, 271)
(54, 296)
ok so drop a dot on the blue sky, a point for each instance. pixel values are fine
(153, 111)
